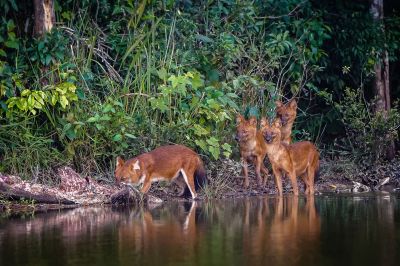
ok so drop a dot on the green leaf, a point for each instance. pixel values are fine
(63, 101)
(47, 59)
(105, 118)
(25, 92)
(81, 94)
(202, 144)
(40, 45)
(99, 127)
(213, 142)
(197, 81)
(117, 137)
(227, 147)
(54, 99)
(130, 136)
(11, 44)
(162, 74)
(107, 108)
(92, 119)
(199, 130)
(214, 152)
(10, 25)
(203, 38)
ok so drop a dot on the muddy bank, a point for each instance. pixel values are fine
(225, 181)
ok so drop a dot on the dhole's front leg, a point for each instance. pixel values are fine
(278, 179)
(146, 186)
(245, 172)
(259, 162)
(265, 172)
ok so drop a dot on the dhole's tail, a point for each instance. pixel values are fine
(317, 168)
(200, 176)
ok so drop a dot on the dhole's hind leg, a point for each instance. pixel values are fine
(188, 176)
(310, 180)
(304, 177)
(292, 176)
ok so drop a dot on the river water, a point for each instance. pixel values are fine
(323, 230)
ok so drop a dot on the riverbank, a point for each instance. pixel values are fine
(338, 176)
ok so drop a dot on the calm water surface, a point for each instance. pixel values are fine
(325, 230)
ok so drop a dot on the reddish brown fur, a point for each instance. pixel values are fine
(252, 148)
(165, 163)
(298, 159)
(287, 114)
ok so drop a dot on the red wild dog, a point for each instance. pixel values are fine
(287, 114)
(298, 159)
(252, 148)
(163, 163)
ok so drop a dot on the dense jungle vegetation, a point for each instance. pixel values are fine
(122, 77)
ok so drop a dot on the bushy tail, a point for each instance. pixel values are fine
(200, 176)
(317, 169)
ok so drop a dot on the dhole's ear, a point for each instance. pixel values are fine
(278, 104)
(239, 119)
(253, 121)
(120, 162)
(136, 165)
(263, 122)
(293, 104)
(277, 123)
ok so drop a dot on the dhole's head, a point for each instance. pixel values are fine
(271, 132)
(245, 129)
(286, 113)
(128, 171)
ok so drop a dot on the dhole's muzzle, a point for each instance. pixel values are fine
(237, 137)
(284, 119)
(268, 137)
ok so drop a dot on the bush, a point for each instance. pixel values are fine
(369, 133)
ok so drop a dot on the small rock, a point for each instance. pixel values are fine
(153, 200)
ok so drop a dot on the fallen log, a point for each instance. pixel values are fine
(15, 194)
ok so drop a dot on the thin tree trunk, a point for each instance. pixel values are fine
(44, 16)
(44, 21)
(381, 86)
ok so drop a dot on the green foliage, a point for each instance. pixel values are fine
(368, 133)
(123, 77)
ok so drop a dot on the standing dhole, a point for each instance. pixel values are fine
(287, 114)
(298, 159)
(252, 148)
(163, 163)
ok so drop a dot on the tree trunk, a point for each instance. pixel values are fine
(44, 16)
(16, 194)
(381, 86)
(44, 21)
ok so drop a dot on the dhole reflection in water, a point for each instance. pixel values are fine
(252, 231)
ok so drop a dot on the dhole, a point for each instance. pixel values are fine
(287, 114)
(252, 148)
(163, 163)
(298, 159)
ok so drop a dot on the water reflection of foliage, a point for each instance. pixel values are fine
(232, 231)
